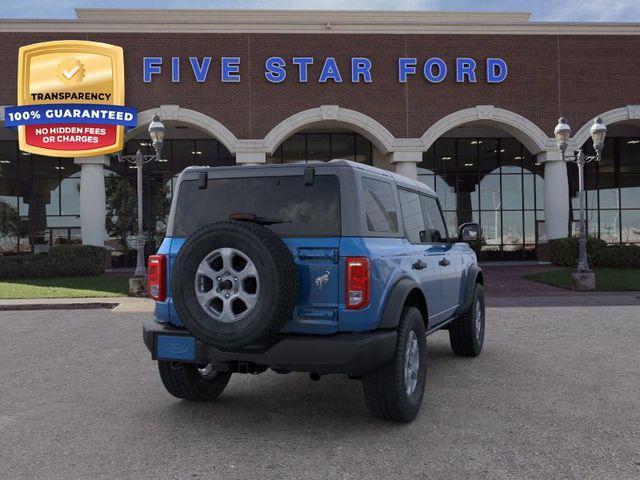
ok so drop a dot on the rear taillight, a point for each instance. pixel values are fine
(357, 282)
(156, 277)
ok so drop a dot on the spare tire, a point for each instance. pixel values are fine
(234, 284)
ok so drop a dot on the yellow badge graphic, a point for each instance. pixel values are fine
(71, 99)
(70, 71)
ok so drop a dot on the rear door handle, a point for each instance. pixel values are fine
(444, 262)
(419, 265)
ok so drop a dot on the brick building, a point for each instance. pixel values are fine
(465, 102)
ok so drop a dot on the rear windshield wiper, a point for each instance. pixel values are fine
(252, 217)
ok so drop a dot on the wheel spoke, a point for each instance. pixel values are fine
(227, 314)
(204, 298)
(204, 269)
(248, 271)
(249, 299)
(412, 363)
(226, 254)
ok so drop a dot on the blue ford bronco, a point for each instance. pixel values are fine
(333, 267)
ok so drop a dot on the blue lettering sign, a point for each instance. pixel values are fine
(330, 71)
(360, 67)
(151, 66)
(175, 69)
(230, 70)
(200, 71)
(275, 69)
(303, 64)
(428, 70)
(496, 70)
(434, 69)
(465, 67)
(406, 66)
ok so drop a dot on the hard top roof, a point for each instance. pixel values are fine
(400, 180)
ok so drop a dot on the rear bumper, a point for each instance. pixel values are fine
(351, 353)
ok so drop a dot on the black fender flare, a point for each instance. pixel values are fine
(397, 298)
(474, 275)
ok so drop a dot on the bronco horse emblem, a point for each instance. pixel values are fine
(322, 280)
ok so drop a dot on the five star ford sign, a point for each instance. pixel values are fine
(70, 99)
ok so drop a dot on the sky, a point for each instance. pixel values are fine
(542, 10)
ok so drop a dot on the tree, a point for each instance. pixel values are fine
(9, 223)
(121, 209)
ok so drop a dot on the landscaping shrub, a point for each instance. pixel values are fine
(618, 256)
(564, 252)
(61, 261)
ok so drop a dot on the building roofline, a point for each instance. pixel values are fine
(284, 15)
(310, 21)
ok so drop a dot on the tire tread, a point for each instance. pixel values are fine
(182, 380)
(461, 331)
(384, 388)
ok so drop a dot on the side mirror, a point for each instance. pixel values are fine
(469, 232)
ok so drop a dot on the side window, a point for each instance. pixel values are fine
(436, 229)
(379, 206)
(412, 216)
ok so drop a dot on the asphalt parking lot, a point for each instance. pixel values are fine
(555, 394)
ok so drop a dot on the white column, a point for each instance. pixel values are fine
(251, 158)
(406, 163)
(556, 194)
(93, 209)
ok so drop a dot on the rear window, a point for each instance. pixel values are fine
(305, 210)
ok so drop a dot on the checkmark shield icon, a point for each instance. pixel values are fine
(69, 74)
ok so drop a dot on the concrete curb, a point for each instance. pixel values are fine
(571, 299)
(56, 306)
(115, 304)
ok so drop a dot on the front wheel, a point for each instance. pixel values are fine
(191, 382)
(395, 391)
(466, 332)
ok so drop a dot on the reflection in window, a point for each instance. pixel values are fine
(70, 196)
(379, 204)
(318, 147)
(436, 229)
(511, 155)
(412, 216)
(612, 191)
(512, 230)
(427, 177)
(512, 192)
(493, 181)
(343, 146)
(446, 193)
(529, 228)
(306, 147)
(630, 190)
(491, 228)
(630, 224)
(610, 226)
(490, 193)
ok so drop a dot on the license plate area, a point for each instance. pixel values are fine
(175, 347)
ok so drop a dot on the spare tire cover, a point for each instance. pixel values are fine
(234, 284)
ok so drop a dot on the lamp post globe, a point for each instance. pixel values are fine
(598, 133)
(156, 133)
(562, 133)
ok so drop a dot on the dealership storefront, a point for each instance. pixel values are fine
(465, 103)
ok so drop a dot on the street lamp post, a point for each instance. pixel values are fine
(156, 133)
(598, 132)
